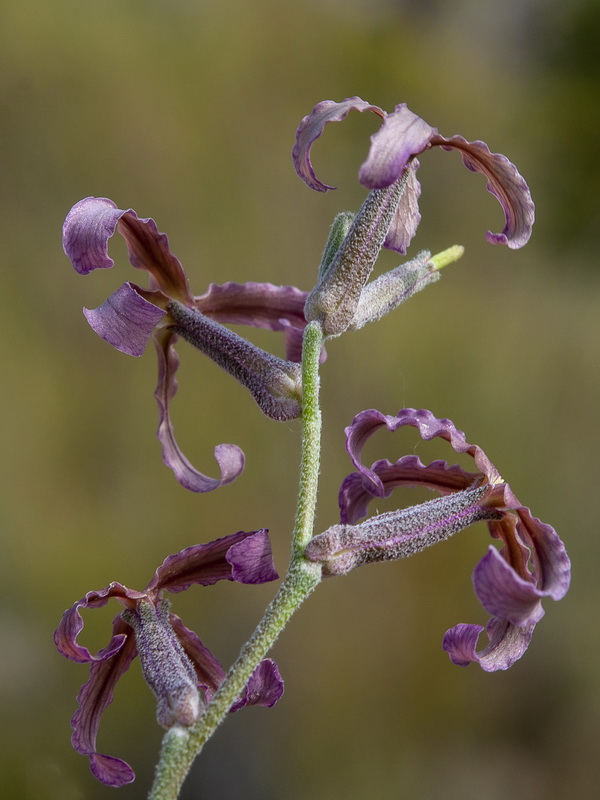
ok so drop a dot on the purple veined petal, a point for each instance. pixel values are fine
(407, 217)
(402, 136)
(126, 320)
(311, 128)
(507, 644)
(230, 458)
(252, 559)
(90, 224)
(94, 697)
(206, 564)
(208, 668)
(71, 624)
(552, 564)
(503, 181)
(504, 594)
(355, 494)
(429, 426)
(264, 688)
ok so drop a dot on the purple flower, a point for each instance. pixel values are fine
(510, 583)
(176, 664)
(132, 315)
(392, 156)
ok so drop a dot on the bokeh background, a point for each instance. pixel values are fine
(186, 111)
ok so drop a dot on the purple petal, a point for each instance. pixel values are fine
(222, 559)
(71, 624)
(126, 320)
(552, 567)
(407, 217)
(354, 496)
(503, 593)
(252, 559)
(93, 699)
(506, 184)
(312, 127)
(90, 224)
(367, 422)
(507, 644)
(402, 136)
(264, 688)
(229, 457)
(208, 669)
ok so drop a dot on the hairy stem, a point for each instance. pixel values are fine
(181, 745)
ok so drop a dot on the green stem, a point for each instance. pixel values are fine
(181, 745)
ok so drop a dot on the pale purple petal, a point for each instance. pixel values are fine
(94, 697)
(507, 644)
(264, 688)
(503, 593)
(252, 559)
(506, 184)
(229, 457)
(312, 127)
(552, 567)
(126, 320)
(407, 217)
(222, 559)
(71, 624)
(90, 224)
(208, 669)
(366, 423)
(354, 496)
(402, 136)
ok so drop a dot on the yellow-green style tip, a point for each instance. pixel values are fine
(446, 257)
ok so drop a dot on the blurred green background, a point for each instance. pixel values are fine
(186, 111)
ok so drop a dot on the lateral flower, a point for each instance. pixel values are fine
(131, 316)
(510, 583)
(394, 147)
(179, 668)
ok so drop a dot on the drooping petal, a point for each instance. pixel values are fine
(503, 593)
(507, 644)
(71, 624)
(94, 697)
(402, 136)
(506, 184)
(275, 384)
(230, 458)
(126, 320)
(222, 559)
(429, 426)
(90, 224)
(264, 688)
(552, 566)
(406, 220)
(312, 127)
(354, 497)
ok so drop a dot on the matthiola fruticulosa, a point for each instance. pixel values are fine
(193, 692)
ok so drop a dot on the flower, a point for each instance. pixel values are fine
(132, 315)
(176, 664)
(392, 156)
(510, 583)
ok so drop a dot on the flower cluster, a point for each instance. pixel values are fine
(181, 671)
(510, 583)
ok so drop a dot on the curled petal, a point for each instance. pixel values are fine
(90, 224)
(429, 426)
(244, 557)
(93, 699)
(407, 217)
(264, 688)
(552, 566)
(503, 593)
(229, 457)
(402, 136)
(507, 644)
(354, 496)
(312, 127)
(71, 624)
(126, 320)
(506, 184)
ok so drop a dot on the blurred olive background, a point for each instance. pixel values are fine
(186, 111)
